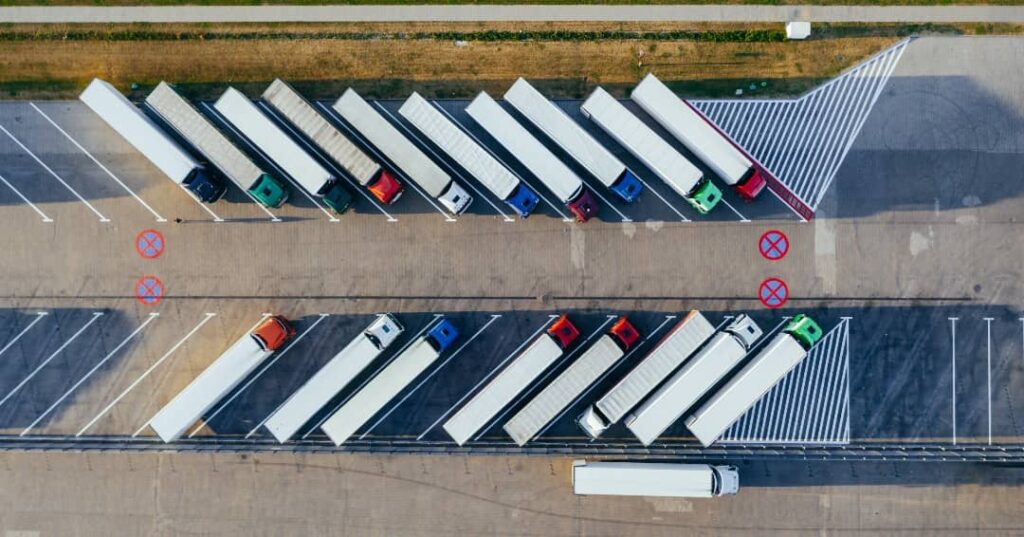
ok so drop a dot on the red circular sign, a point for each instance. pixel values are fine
(773, 293)
(149, 290)
(149, 243)
(773, 245)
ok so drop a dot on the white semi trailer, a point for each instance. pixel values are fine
(402, 152)
(502, 389)
(569, 384)
(673, 349)
(654, 479)
(467, 153)
(754, 380)
(140, 131)
(651, 149)
(387, 384)
(696, 378)
(575, 141)
(542, 163)
(197, 130)
(302, 405)
(697, 133)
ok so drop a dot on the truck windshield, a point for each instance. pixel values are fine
(716, 482)
(373, 339)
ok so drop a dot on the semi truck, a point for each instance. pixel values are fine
(784, 352)
(543, 164)
(511, 381)
(220, 377)
(402, 152)
(468, 154)
(575, 141)
(569, 384)
(651, 149)
(653, 479)
(139, 130)
(391, 380)
(259, 129)
(696, 378)
(197, 130)
(326, 383)
(673, 349)
(699, 135)
(366, 171)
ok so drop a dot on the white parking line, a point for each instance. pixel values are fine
(952, 327)
(96, 315)
(988, 338)
(23, 198)
(152, 317)
(54, 174)
(733, 209)
(98, 163)
(489, 376)
(494, 317)
(145, 374)
(423, 145)
(394, 165)
(39, 317)
(658, 195)
(258, 374)
(625, 219)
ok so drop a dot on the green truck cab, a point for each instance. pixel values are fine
(269, 191)
(704, 196)
(804, 330)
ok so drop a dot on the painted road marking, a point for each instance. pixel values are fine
(39, 317)
(489, 376)
(258, 374)
(145, 374)
(988, 347)
(647, 188)
(96, 315)
(152, 317)
(23, 198)
(952, 327)
(150, 244)
(54, 174)
(773, 293)
(149, 290)
(209, 211)
(494, 317)
(98, 163)
(773, 245)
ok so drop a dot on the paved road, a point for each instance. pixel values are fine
(731, 13)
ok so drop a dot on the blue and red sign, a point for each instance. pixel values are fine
(773, 245)
(149, 290)
(150, 244)
(773, 293)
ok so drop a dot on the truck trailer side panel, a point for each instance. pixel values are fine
(643, 479)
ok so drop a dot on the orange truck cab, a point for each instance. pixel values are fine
(273, 332)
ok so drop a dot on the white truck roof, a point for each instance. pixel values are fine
(138, 130)
(697, 376)
(541, 162)
(502, 389)
(384, 387)
(645, 144)
(385, 137)
(200, 132)
(670, 352)
(569, 384)
(571, 137)
(302, 405)
(691, 128)
(458, 145)
(271, 140)
(643, 479)
(219, 378)
(297, 110)
(745, 388)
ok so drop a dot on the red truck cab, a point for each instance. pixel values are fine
(564, 332)
(584, 206)
(751, 185)
(386, 188)
(624, 333)
(273, 332)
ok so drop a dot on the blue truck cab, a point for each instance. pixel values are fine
(204, 184)
(627, 186)
(523, 200)
(443, 335)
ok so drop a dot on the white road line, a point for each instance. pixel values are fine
(209, 211)
(494, 317)
(230, 127)
(625, 219)
(815, 139)
(39, 317)
(394, 356)
(145, 374)
(531, 388)
(733, 209)
(23, 198)
(952, 325)
(537, 191)
(98, 163)
(831, 126)
(489, 376)
(658, 195)
(988, 337)
(54, 174)
(258, 374)
(96, 315)
(152, 317)
(424, 146)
